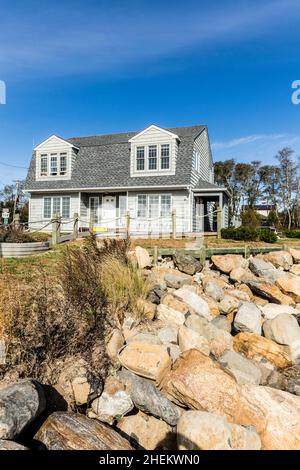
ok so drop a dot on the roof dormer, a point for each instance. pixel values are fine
(54, 159)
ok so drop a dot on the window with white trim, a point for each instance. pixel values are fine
(63, 164)
(94, 209)
(53, 164)
(57, 205)
(154, 206)
(197, 160)
(140, 158)
(165, 156)
(152, 157)
(44, 164)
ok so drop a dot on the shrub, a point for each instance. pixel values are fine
(268, 236)
(12, 234)
(292, 233)
(250, 218)
(240, 233)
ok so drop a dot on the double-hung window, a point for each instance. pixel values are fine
(65, 207)
(57, 206)
(94, 209)
(165, 156)
(44, 164)
(140, 158)
(63, 164)
(153, 206)
(165, 205)
(47, 208)
(142, 206)
(53, 164)
(152, 157)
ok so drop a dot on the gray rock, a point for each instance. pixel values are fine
(283, 329)
(287, 380)
(248, 318)
(194, 302)
(229, 304)
(271, 311)
(108, 407)
(244, 371)
(168, 334)
(20, 404)
(186, 263)
(175, 282)
(11, 445)
(144, 338)
(148, 398)
(173, 350)
(265, 269)
(222, 323)
(214, 291)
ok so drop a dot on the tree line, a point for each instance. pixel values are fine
(253, 183)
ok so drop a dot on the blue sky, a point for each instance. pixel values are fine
(80, 68)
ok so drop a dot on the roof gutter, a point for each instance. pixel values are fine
(109, 188)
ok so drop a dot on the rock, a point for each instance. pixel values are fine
(142, 257)
(222, 323)
(288, 380)
(147, 398)
(295, 255)
(174, 303)
(275, 415)
(283, 329)
(71, 431)
(190, 339)
(243, 370)
(261, 268)
(115, 343)
(169, 316)
(144, 337)
(212, 305)
(173, 350)
(240, 295)
(257, 347)
(195, 303)
(259, 301)
(168, 334)
(290, 286)
(148, 360)
(199, 430)
(246, 289)
(226, 263)
(20, 404)
(113, 385)
(279, 259)
(213, 290)
(186, 263)
(270, 292)
(217, 280)
(11, 445)
(175, 282)
(109, 407)
(199, 383)
(2, 352)
(146, 308)
(295, 269)
(76, 383)
(248, 318)
(147, 432)
(241, 275)
(229, 304)
(271, 311)
(219, 340)
(266, 368)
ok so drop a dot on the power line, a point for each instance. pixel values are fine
(13, 166)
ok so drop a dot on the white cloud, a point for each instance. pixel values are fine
(236, 142)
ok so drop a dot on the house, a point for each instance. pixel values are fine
(145, 176)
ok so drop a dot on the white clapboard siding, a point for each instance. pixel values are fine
(202, 146)
(36, 211)
(55, 145)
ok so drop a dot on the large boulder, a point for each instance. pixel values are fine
(195, 303)
(170, 301)
(284, 329)
(270, 292)
(190, 339)
(295, 269)
(262, 268)
(147, 398)
(241, 275)
(290, 286)
(248, 318)
(148, 360)
(175, 282)
(142, 257)
(114, 344)
(218, 340)
(244, 371)
(186, 263)
(20, 404)
(222, 323)
(199, 430)
(147, 432)
(280, 259)
(70, 431)
(229, 304)
(295, 255)
(169, 315)
(288, 380)
(213, 290)
(226, 263)
(11, 445)
(109, 407)
(257, 347)
(271, 311)
(168, 334)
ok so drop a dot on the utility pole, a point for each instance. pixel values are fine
(16, 198)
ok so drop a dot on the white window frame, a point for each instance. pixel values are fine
(148, 206)
(136, 158)
(98, 209)
(161, 157)
(158, 168)
(51, 206)
(58, 156)
(157, 148)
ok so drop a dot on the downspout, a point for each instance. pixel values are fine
(190, 209)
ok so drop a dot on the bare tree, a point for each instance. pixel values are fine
(288, 180)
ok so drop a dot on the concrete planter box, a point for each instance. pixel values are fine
(8, 250)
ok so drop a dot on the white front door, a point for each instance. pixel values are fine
(108, 212)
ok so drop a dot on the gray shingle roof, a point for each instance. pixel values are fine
(104, 161)
(201, 184)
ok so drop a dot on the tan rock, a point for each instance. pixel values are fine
(190, 339)
(295, 254)
(147, 309)
(148, 432)
(270, 292)
(226, 263)
(280, 259)
(259, 301)
(169, 316)
(143, 257)
(213, 305)
(290, 286)
(241, 275)
(113, 385)
(194, 301)
(244, 438)
(71, 431)
(240, 295)
(246, 289)
(148, 360)
(174, 303)
(295, 269)
(229, 304)
(115, 343)
(255, 347)
(199, 383)
(220, 282)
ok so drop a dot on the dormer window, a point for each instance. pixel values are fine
(140, 158)
(165, 156)
(152, 157)
(54, 164)
(63, 163)
(44, 164)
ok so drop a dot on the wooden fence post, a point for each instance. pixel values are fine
(55, 229)
(174, 223)
(155, 255)
(219, 222)
(91, 221)
(127, 224)
(75, 226)
(17, 220)
(202, 255)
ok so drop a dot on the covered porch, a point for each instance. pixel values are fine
(206, 205)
